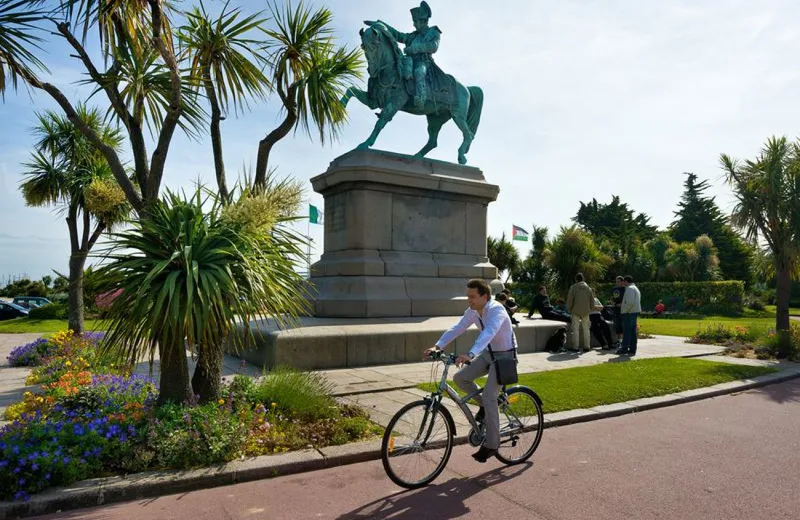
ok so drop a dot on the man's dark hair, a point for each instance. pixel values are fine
(620, 278)
(540, 288)
(502, 297)
(579, 277)
(480, 285)
(629, 279)
(506, 292)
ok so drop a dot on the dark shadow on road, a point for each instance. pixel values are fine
(788, 392)
(436, 501)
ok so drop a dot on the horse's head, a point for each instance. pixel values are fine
(377, 46)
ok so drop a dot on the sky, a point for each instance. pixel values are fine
(583, 99)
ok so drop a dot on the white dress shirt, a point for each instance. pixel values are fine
(631, 300)
(497, 329)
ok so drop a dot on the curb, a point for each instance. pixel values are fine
(98, 492)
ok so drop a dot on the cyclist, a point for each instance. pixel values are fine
(490, 316)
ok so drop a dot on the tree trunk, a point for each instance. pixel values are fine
(782, 320)
(266, 144)
(207, 378)
(174, 373)
(216, 136)
(75, 303)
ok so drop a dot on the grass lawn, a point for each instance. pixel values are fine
(793, 311)
(688, 328)
(20, 325)
(607, 383)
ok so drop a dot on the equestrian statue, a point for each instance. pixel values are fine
(410, 81)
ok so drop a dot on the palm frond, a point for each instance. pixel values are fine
(18, 21)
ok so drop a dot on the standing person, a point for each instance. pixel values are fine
(541, 303)
(599, 328)
(631, 308)
(496, 334)
(580, 301)
(617, 293)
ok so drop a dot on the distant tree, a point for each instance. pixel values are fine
(616, 230)
(534, 269)
(47, 280)
(658, 247)
(697, 215)
(574, 251)
(503, 255)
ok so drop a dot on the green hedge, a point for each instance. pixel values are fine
(51, 311)
(701, 297)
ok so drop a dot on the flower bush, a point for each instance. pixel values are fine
(31, 354)
(93, 418)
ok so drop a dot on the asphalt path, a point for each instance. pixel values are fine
(732, 457)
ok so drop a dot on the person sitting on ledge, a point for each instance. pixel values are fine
(541, 303)
(660, 307)
(510, 305)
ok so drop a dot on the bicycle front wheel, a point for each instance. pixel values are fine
(417, 444)
(521, 425)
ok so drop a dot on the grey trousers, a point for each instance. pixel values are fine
(465, 379)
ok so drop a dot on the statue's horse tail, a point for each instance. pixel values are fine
(475, 108)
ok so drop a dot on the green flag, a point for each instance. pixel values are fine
(314, 214)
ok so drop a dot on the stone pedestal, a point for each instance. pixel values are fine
(402, 236)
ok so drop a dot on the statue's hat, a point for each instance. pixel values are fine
(421, 12)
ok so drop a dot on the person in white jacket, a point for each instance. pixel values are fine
(630, 309)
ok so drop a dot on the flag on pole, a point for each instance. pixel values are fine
(517, 233)
(315, 216)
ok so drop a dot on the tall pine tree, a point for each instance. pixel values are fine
(699, 214)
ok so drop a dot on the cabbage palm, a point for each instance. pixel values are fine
(767, 191)
(503, 255)
(66, 170)
(226, 63)
(309, 72)
(574, 251)
(191, 271)
(18, 44)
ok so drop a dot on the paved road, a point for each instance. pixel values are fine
(732, 457)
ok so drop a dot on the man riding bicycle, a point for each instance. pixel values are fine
(493, 320)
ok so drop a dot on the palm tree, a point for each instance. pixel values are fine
(17, 43)
(767, 191)
(309, 72)
(66, 170)
(574, 251)
(225, 63)
(193, 271)
(503, 255)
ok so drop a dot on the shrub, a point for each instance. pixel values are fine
(31, 354)
(305, 395)
(772, 347)
(720, 334)
(51, 311)
(704, 297)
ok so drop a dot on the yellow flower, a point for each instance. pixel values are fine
(68, 363)
(221, 401)
(274, 405)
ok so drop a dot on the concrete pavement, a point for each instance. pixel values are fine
(711, 459)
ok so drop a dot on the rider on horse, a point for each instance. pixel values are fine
(420, 46)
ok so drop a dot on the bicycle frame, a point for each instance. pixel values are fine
(445, 388)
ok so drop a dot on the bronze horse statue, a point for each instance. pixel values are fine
(391, 88)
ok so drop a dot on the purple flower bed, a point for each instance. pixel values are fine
(30, 354)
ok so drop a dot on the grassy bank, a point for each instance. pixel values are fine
(608, 383)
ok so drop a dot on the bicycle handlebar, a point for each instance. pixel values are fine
(444, 357)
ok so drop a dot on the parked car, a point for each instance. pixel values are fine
(31, 301)
(9, 311)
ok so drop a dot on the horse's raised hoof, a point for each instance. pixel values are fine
(462, 159)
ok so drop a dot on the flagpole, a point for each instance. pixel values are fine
(308, 237)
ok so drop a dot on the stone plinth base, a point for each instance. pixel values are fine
(326, 343)
(402, 236)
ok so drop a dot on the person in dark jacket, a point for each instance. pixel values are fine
(617, 293)
(541, 303)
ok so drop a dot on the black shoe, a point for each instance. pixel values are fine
(480, 415)
(484, 454)
(621, 351)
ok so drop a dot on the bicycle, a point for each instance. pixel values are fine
(425, 445)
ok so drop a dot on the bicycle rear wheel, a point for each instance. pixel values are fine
(417, 444)
(521, 425)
